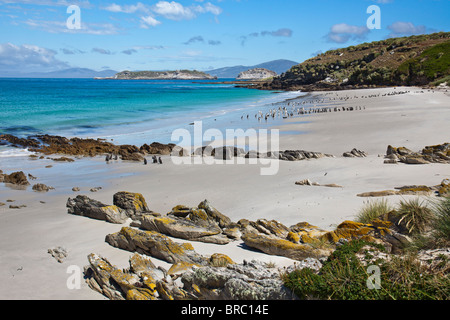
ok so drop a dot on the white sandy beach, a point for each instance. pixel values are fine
(413, 120)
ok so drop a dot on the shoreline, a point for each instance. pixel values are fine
(238, 191)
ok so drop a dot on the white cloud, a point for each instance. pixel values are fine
(283, 32)
(61, 27)
(28, 58)
(52, 3)
(400, 28)
(173, 10)
(127, 8)
(209, 7)
(149, 21)
(342, 32)
(176, 11)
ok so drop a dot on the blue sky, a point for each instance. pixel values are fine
(197, 34)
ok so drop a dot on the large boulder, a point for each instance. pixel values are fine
(132, 203)
(184, 228)
(213, 214)
(154, 244)
(40, 187)
(137, 283)
(86, 207)
(203, 223)
(17, 178)
(282, 247)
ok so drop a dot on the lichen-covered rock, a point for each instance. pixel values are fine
(350, 230)
(220, 260)
(118, 284)
(430, 154)
(184, 228)
(272, 228)
(282, 247)
(247, 281)
(132, 203)
(86, 207)
(222, 220)
(203, 223)
(154, 244)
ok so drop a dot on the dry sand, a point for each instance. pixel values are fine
(413, 120)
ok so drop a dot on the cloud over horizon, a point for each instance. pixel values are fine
(29, 58)
(283, 32)
(401, 29)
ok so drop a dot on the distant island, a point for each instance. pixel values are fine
(162, 75)
(279, 66)
(256, 74)
(407, 61)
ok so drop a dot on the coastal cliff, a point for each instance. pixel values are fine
(408, 61)
(163, 75)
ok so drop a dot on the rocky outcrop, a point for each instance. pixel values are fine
(355, 153)
(59, 253)
(203, 223)
(154, 244)
(228, 153)
(256, 74)
(48, 144)
(86, 207)
(307, 182)
(158, 148)
(442, 190)
(125, 205)
(133, 204)
(18, 178)
(431, 154)
(252, 280)
(40, 187)
(194, 276)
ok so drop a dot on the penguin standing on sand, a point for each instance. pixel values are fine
(145, 161)
(160, 161)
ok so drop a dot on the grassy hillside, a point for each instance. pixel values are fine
(415, 60)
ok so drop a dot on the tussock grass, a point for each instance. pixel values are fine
(415, 215)
(373, 210)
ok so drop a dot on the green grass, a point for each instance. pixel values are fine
(344, 277)
(441, 224)
(402, 277)
(432, 64)
(414, 215)
(373, 210)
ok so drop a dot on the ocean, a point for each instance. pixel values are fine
(124, 111)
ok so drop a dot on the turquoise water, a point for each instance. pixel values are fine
(125, 111)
